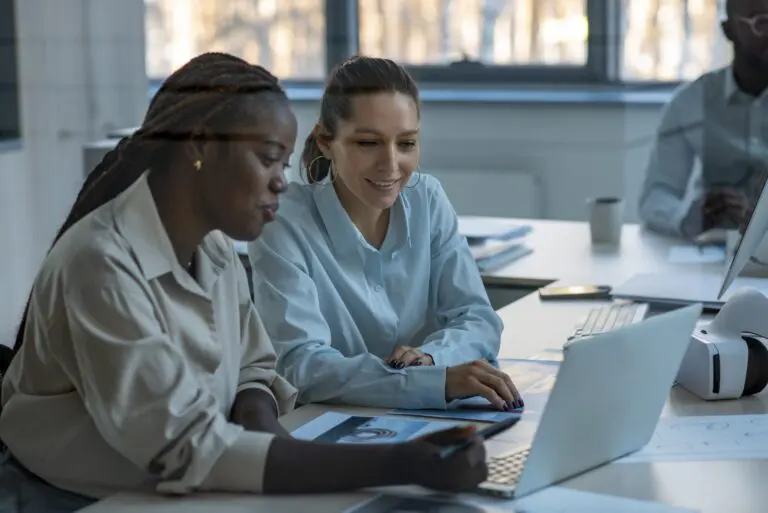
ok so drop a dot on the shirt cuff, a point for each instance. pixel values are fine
(426, 384)
(240, 468)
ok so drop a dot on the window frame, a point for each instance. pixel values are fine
(10, 112)
(602, 69)
(603, 54)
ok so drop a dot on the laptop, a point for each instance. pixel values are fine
(605, 403)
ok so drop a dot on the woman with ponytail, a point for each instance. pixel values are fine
(369, 293)
(141, 362)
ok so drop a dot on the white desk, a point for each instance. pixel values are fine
(561, 253)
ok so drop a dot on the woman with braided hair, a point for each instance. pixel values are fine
(141, 362)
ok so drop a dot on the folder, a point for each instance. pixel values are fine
(479, 230)
(495, 254)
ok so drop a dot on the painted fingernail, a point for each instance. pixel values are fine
(399, 364)
(417, 363)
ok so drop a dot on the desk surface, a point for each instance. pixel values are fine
(562, 252)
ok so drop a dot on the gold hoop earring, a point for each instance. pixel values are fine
(198, 165)
(310, 174)
(418, 179)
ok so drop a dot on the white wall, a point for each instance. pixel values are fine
(81, 71)
(571, 151)
(14, 234)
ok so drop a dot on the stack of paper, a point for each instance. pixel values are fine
(479, 230)
(493, 255)
(494, 242)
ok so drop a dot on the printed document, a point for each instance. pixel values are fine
(354, 429)
(717, 437)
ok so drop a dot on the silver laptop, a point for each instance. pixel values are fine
(606, 402)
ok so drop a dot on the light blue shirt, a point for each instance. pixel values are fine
(335, 307)
(711, 134)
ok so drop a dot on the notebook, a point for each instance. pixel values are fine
(479, 230)
(678, 289)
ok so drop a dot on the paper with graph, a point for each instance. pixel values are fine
(717, 437)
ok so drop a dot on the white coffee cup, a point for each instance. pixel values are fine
(606, 217)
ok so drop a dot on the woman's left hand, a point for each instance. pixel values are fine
(406, 356)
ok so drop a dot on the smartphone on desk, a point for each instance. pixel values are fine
(576, 292)
(486, 433)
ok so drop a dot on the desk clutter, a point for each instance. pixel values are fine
(494, 242)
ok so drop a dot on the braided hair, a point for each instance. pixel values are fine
(200, 101)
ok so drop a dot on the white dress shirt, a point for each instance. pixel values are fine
(709, 124)
(335, 306)
(130, 366)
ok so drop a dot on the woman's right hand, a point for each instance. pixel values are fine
(480, 378)
(459, 472)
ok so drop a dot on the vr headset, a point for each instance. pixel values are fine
(728, 358)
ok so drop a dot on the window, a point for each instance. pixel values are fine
(9, 87)
(456, 39)
(672, 40)
(495, 33)
(449, 41)
(285, 36)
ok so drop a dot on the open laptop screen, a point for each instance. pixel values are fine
(750, 240)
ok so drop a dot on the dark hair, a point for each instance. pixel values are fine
(357, 76)
(200, 101)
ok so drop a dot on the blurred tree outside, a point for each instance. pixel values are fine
(664, 40)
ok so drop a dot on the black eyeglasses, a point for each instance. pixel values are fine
(758, 24)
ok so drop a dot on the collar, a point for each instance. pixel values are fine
(343, 233)
(730, 89)
(138, 220)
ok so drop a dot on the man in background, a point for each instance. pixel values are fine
(716, 130)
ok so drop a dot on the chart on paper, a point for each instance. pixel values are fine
(718, 437)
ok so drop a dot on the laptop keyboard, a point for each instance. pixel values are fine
(610, 317)
(505, 470)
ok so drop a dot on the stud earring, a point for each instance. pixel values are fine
(198, 165)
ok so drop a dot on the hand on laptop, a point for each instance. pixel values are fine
(461, 472)
(483, 379)
(405, 356)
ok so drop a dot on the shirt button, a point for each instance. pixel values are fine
(377, 288)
